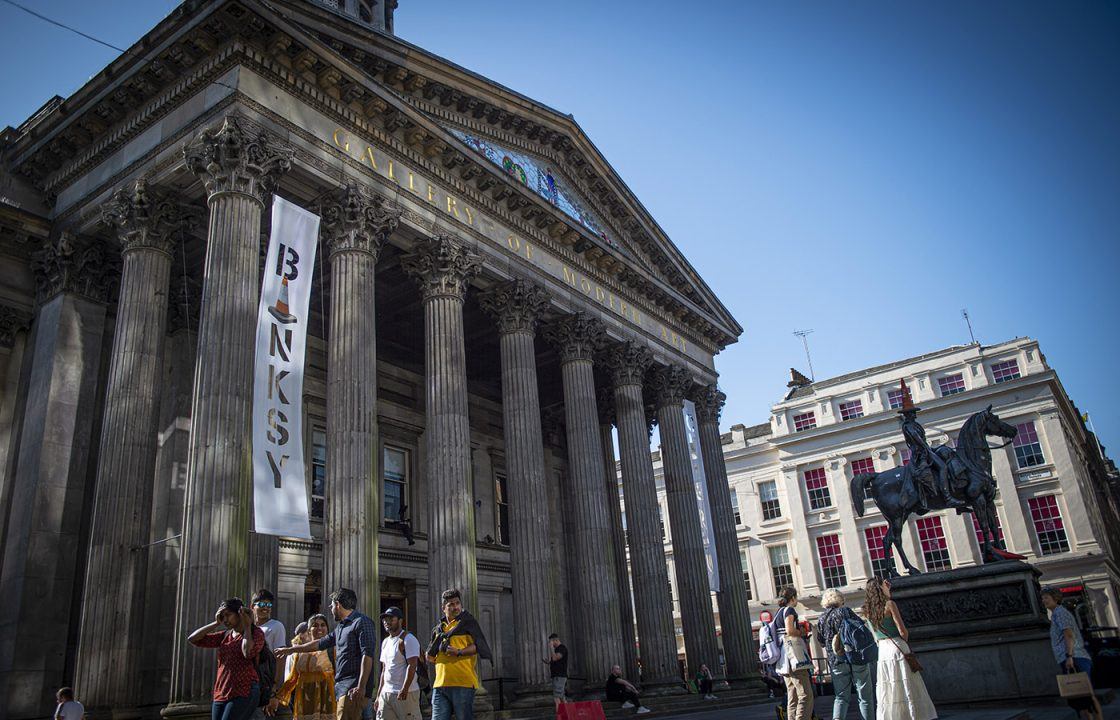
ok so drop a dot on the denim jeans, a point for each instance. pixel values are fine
(845, 678)
(240, 708)
(457, 700)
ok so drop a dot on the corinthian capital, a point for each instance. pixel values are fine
(577, 336)
(66, 265)
(516, 305)
(12, 320)
(670, 384)
(442, 266)
(230, 160)
(144, 216)
(356, 220)
(628, 362)
(709, 402)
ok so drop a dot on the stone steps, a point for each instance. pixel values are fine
(660, 706)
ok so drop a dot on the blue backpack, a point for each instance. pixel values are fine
(859, 643)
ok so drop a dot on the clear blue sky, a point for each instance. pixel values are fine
(862, 169)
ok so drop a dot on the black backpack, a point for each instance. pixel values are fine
(266, 672)
(422, 679)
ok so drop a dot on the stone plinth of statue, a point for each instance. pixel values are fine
(981, 633)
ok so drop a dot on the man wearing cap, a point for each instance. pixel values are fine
(398, 693)
(354, 639)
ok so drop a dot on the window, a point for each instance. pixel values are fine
(894, 398)
(832, 561)
(746, 574)
(875, 536)
(976, 529)
(851, 410)
(502, 498)
(661, 521)
(768, 493)
(804, 421)
(394, 478)
(780, 569)
(816, 483)
(934, 548)
(1028, 450)
(318, 473)
(862, 466)
(735, 508)
(1006, 370)
(1048, 525)
(951, 384)
(905, 455)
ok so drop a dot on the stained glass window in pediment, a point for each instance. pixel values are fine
(539, 176)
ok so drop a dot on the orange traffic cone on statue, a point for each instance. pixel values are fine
(280, 309)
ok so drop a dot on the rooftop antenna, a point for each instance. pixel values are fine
(803, 334)
(968, 321)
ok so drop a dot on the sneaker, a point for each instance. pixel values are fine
(627, 705)
(712, 697)
(642, 710)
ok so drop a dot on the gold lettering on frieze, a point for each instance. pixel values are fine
(452, 209)
(341, 146)
(411, 183)
(431, 194)
(369, 156)
(391, 175)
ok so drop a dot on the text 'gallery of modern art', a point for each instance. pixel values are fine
(489, 300)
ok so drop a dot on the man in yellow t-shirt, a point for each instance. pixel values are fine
(457, 643)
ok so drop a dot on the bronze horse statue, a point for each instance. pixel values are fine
(897, 494)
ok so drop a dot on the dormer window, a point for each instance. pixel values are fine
(804, 421)
(851, 410)
(951, 384)
(1006, 370)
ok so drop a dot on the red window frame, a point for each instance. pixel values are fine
(905, 455)
(1028, 448)
(1005, 370)
(816, 485)
(894, 399)
(851, 409)
(976, 529)
(832, 561)
(863, 465)
(804, 421)
(935, 549)
(875, 537)
(951, 384)
(1048, 525)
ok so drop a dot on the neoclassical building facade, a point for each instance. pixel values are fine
(490, 302)
(790, 480)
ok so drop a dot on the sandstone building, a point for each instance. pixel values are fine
(490, 299)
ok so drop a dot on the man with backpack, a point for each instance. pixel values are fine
(398, 693)
(852, 650)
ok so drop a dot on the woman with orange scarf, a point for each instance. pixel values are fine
(309, 685)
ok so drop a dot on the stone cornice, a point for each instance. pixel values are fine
(357, 220)
(67, 265)
(670, 384)
(577, 336)
(442, 266)
(229, 160)
(516, 304)
(628, 362)
(144, 217)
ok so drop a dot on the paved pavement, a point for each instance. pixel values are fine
(1055, 711)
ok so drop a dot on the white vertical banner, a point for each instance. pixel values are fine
(700, 482)
(279, 482)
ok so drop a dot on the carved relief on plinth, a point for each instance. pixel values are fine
(144, 217)
(357, 220)
(69, 265)
(709, 402)
(628, 362)
(443, 266)
(577, 336)
(228, 159)
(670, 384)
(517, 305)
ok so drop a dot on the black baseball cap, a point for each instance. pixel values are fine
(393, 611)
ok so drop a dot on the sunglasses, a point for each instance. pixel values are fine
(263, 604)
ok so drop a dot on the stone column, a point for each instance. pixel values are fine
(42, 572)
(14, 323)
(734, 613)
(517, 306)
(670, 384)
(239, 172)
(443, 266)
(355, 226)
(657, 643)
(618, 532)
(577, 337)
(110, 662)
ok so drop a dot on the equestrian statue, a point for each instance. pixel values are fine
(937, 479)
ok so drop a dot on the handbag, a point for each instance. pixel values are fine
(1075, 685)
(911, 658)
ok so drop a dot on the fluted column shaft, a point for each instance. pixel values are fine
(355, 224)
(517, 305)
(110, 661)
(443, 267)
(238, 172)
(734, 613)
(578, 336)
(684, 518)
(653, 605)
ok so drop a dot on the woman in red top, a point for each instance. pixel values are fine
(238, 640)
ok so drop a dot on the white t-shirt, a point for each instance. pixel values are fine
(275, 634)
(70, 710)
(395, 664)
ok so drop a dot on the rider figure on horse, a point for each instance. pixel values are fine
(930, 471)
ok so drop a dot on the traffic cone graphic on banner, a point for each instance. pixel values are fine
(280, 309)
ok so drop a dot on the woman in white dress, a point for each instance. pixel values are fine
(900, 693)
